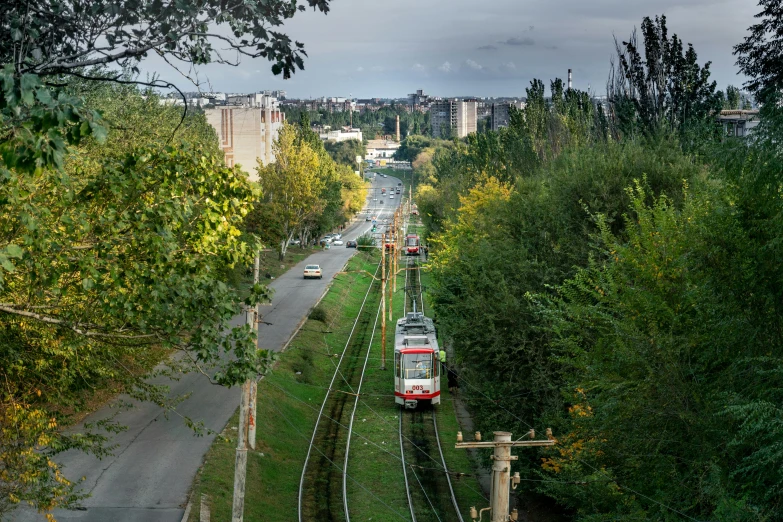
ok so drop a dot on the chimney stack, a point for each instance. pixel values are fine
(569, 78)
(398, 127)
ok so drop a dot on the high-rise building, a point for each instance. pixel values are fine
(501, 113)
(418, 98)
(458, 116)
(246, 132)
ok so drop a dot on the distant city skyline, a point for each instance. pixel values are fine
(454, 48)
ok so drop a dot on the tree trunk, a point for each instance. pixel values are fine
(283, 248)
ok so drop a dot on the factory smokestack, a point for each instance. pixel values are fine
(398, 127)
(569, 78)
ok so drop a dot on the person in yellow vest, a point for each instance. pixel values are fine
(442, 355)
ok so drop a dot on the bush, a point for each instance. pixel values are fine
(365, 240)
(319, 314)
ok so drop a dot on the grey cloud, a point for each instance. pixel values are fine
(487, 48)
(519, 41)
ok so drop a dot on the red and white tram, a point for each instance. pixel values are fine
(412, 245)
(416, 363)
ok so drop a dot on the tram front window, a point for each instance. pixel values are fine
(418, 365)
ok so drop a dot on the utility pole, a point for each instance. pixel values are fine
(501, 470)
(383, 303)
(246, 433)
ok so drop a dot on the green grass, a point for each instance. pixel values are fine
(287, 407)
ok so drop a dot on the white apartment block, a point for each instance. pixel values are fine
(459, 115)
(246, 132)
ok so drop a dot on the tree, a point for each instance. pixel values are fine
(732, 101)
(110, 258)
(666, 90)
(292, 185)
(760, 56)
(345, 152)
(61, 37)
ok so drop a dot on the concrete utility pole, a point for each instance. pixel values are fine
(246, 433)
(383, 303)
(501, 470)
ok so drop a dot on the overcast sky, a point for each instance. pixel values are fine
(374, 48)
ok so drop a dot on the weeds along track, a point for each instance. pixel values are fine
(322, 484)
(430, 493)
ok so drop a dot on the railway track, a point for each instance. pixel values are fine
(430, 493)
(322, 486)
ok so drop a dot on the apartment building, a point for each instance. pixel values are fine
(458, 116)
(246, 131)
(501, 112)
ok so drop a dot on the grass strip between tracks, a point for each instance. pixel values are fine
(285, 424)
(375, 459)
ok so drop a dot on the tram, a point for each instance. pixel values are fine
(412, 245)
(416, 363)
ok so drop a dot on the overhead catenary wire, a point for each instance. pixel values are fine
(323, 404)
(353, 415)
(338, 467)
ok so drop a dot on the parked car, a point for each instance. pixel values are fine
(391, 196)
(381, 202)
(337, 242)
(399, 185)
(351, 244)
(312, 272)
(326, 239)
(337, 236)
(368, 218)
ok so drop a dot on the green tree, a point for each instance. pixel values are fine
(292, 185)
(60, 37)
(664, 91)
(732, 101)
(109, 259)
(759, 57)
(345, 152)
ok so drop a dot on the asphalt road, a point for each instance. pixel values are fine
(155, 460)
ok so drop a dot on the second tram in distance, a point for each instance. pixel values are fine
(416, 363)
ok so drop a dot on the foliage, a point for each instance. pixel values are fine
(345, 152)
(371, 121)
(305, 191)
(111, 255)
(666, 91)
(759, 55)
(59, 37)
(291, 185)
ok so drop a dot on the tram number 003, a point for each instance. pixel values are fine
(417, 387)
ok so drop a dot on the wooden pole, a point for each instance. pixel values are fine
(501, 467)
(383, 303)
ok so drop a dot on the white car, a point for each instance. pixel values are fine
(337, 236)
(391, 196)
(338, 242)
(326, 239)
(312, 272)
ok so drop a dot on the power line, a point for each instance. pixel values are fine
(338, 467)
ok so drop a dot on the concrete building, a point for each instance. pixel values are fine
(738, 123)
(341, 135)
(246, 133)
(381, 149)
(500, 113)
(418, 98)
(457, 115)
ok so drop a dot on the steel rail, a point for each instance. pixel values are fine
(405, 470)
(326, 397)
(445, 468)
(353, 415)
